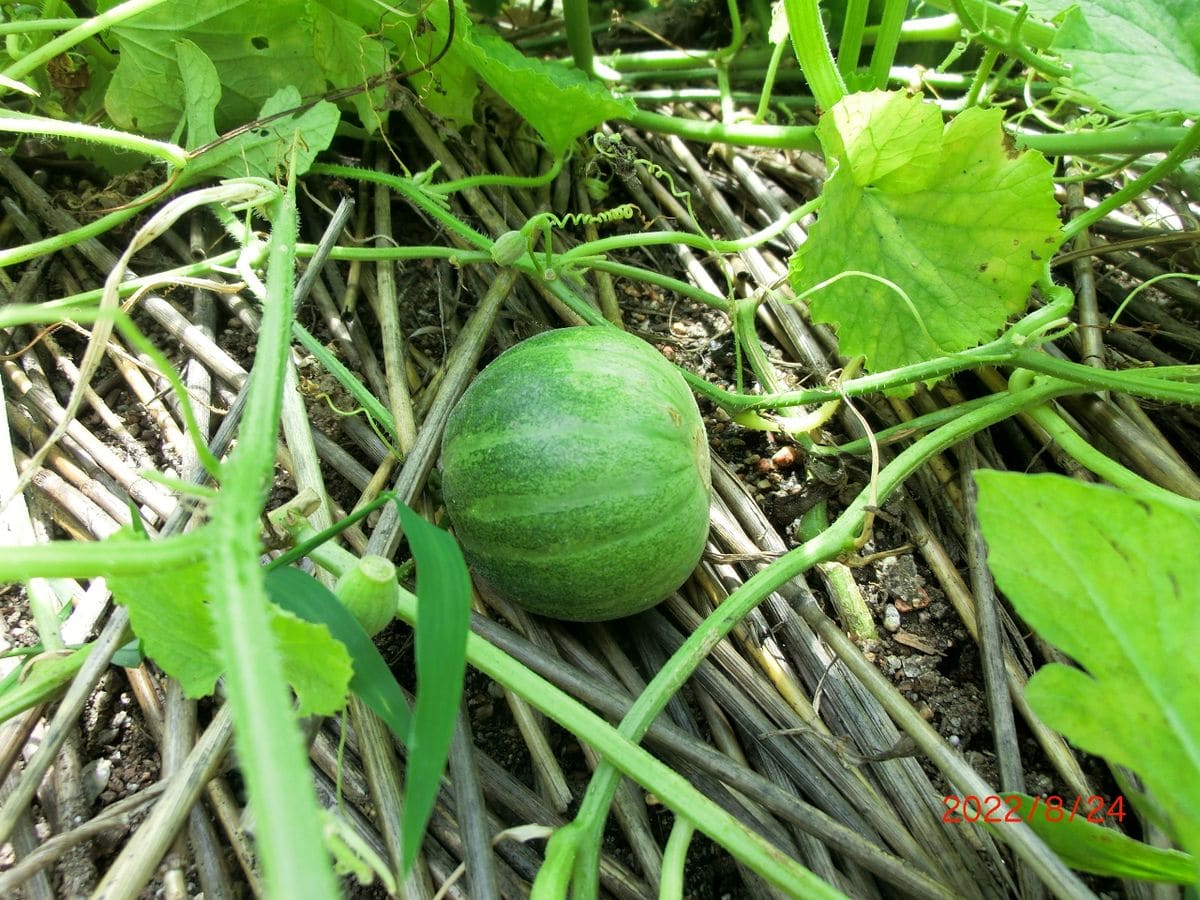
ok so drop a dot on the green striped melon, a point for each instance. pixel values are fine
(575, 474)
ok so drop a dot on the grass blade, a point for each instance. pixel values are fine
(300, 593)
(443, 621)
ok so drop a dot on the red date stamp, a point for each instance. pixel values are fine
(995, 809)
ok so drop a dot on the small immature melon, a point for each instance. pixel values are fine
(575, 473)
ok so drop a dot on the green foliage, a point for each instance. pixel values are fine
(40, 681)
(261, 151)
(1133, 56)
(255, 48)
(443, 622)
(256, 152)
(560, 103)
(949, 216)
(372, 681)
(169, 611)
(201, 93)
(347, 43)
(449, 87)
(936, 233)
(444, 614)
(1100, 850)
(1115, 583)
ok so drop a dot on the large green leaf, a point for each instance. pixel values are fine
(952, 217)
(201, 93)
(256, 49)
(1132, 55)
(1115, 583)
(447, 88)
(1092, 847)
(559, 102)
(350, 53)
(259, 151)
(264, 151)
(168, 611)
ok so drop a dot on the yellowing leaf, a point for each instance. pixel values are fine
(953, 225)
(888, 141)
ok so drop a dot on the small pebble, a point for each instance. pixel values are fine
(96, 775)
(891, 618)
(785, 457)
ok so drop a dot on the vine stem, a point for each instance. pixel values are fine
(813, 53)
(887, 39)
(33, 27)
(20, 123)
(827, 545)
(1104, 466)
(102, 559)
(579, 35)
(266, 733)
(851, 41)
(1128, 139)
(446, 188)
(1180, 152)
(1032, 32)
(65, 42)
(700, 242)
(768, 83)
(794, 137)
(412, 192)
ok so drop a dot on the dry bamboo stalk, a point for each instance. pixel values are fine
(459, 368)
(901, 779)
(136, 863)
(117, 817)
(114, 423)
(70, 508)
(70, 470)
(547, 773)
(387, 313)
(608, 699)
(229, 815)
(382, 769)
(115, 634)
(41, 400)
